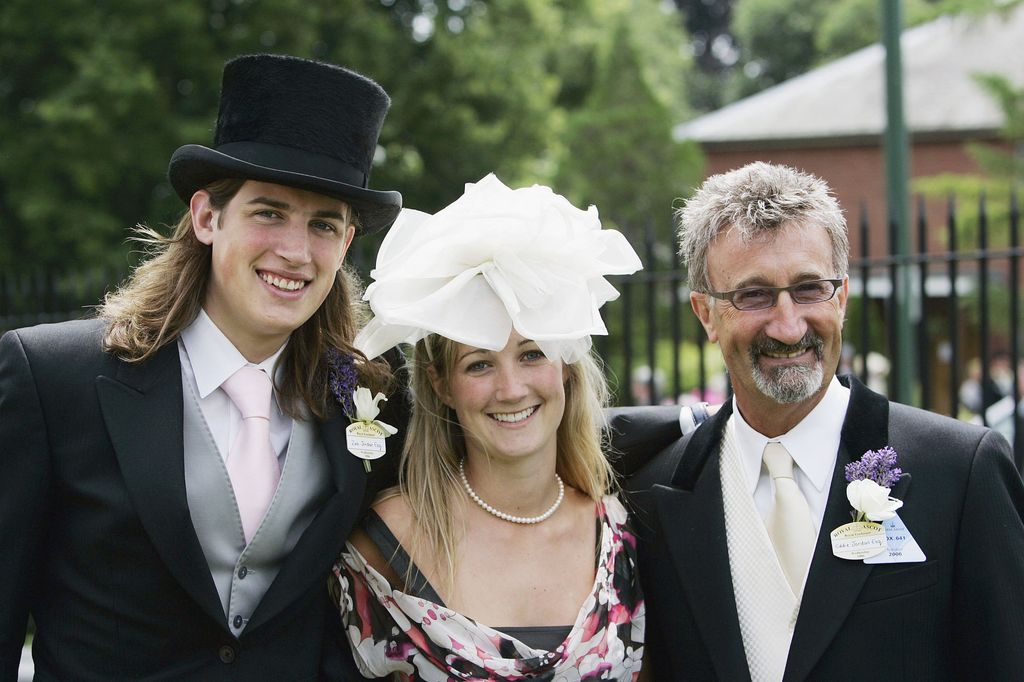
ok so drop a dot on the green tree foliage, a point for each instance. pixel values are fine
(97, 95)
(618, 150)
(1002, 175)
(778, 38)
(1001, 166)
(1001, 163)
(472, 100)
(84, 121)
(849, 25)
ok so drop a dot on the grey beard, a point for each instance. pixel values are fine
(788, 385)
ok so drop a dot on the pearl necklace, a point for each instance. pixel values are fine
(526, 520)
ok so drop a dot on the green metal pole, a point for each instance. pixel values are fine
(897, 154)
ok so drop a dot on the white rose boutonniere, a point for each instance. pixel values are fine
(871, 501)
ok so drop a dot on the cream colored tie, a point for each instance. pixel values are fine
(789, 522)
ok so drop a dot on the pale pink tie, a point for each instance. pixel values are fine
(252, 462)
(789, 524)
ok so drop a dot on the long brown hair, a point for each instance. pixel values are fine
(165, 292)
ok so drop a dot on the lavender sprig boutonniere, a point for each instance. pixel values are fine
(365, 435)
(341, 379)
(870, 480)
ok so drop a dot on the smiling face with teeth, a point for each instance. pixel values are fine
(275, 253)
(780, 359)
(508, 402)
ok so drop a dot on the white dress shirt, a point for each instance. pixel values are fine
(208, 358)
(813, 444)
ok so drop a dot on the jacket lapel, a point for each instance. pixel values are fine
(693, 509)
(309, 564)
(833, 583)
(142, 410)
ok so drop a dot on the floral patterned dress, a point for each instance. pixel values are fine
(394, 632)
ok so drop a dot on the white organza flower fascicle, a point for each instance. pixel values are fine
(494, 260)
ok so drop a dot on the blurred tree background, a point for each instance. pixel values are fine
(580, 94)
(744, 46)
(1002, 170)
(96, 96)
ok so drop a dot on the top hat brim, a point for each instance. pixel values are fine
(194, 167)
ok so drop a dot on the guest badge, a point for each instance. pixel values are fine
(901, 547)
(858, 540)
(366, 440)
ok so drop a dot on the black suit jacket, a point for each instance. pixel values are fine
(958, 615)
(98, 543)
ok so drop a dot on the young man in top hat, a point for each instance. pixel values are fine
(157, 520)
(742, 578)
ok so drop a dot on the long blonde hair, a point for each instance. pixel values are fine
(435, 445)
(165, 292)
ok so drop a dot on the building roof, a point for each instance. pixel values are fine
(846, 98)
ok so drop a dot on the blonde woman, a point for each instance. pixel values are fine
(502, 554)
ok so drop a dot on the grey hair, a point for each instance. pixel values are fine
(757, 200)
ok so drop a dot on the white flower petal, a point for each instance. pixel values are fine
(366, 404)
(494, 260)
(868, 497)
(889, 511)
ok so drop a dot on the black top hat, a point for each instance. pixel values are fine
(299, 123)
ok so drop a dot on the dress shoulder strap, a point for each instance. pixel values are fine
(398, 558)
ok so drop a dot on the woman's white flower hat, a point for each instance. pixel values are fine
(495, 260)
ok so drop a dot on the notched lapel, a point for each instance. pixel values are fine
(833, 583)
(142, 410)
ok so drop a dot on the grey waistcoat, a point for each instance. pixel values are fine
(243, 573)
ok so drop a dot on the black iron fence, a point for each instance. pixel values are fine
(965, 309)
(40, 296)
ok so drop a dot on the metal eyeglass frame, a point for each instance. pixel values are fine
(775, 291)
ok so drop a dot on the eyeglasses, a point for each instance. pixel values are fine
(759, 298)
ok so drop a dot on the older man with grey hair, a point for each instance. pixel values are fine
(813, 530)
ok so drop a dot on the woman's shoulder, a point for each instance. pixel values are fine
(607, 509)
(394, 510)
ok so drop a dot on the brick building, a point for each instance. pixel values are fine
(830, 121)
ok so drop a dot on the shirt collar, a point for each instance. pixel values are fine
(813, 443)
(214, 358)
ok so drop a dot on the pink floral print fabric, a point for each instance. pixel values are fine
(393, 632)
